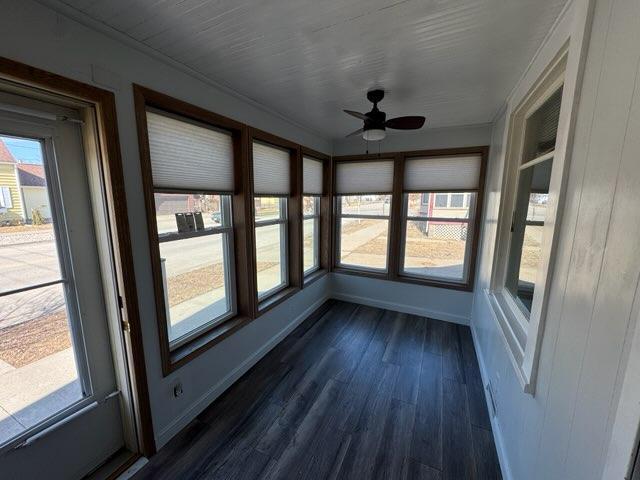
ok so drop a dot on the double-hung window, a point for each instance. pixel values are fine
(363, 208)
(312, 172)
(439, 213)
(271, 186)
(528, 219)
(192, 170)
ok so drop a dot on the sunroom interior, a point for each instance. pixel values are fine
(215, 264)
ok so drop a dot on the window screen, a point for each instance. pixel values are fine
(364, 177)
(185, 155)
(270, 170)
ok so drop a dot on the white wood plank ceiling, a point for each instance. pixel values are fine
(453, 61)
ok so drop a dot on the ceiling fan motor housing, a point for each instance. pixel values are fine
(375, 120)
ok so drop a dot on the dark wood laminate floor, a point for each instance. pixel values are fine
(354, 393)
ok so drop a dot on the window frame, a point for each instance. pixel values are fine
(521, 333)
(228, 252)
(173, 358)
(470, 221)
(293, 239)
(396, 222)
(282, 221)
(325, 224)
(346, 267)
(316, 217)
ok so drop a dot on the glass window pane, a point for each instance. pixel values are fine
(38, 372)
(435, 249)
(270, 257)
(187, 212)
(267, 208)
(28, 245)
(364, 242)
(310, 205)
(441, 200)
(457, 200)
(194, 275)
(366, 204)
(526, 237)
(435, 205)
(310, 243)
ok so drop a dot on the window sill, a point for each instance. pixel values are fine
(427, 282)
(501, 316)
(276, 299)
(313, 276)
(432, 282)
(362, 272)
(195, 347)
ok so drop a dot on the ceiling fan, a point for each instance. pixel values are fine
(375, 122)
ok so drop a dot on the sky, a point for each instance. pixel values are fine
(25, 151)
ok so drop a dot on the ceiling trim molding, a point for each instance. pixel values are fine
(82, 18)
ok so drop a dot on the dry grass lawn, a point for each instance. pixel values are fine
(26, 228)
(188, 285)
(27, 342)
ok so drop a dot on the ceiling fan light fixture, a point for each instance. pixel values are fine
(374, 134)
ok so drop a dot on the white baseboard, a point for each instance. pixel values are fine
(495, 426)
(218, 389)
(400, 307)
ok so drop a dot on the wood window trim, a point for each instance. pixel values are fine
(524, 350)
(325, 216)
(294, 220)
(111, 164)
(395, 221)
(173, 359)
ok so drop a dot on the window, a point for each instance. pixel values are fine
(195, 239)
(363, 214)
(311, 233)
(5, 198)
(312, 190)
(271, 244)
(526, 227)
(271, 181)
(41, 339)
(438, 227)
(192, 171)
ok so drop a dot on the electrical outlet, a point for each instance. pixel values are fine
(177, 390)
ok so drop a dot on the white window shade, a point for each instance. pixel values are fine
(442, 173)
(270, 170)
(364, 177)
(311, 176)
(188, 156)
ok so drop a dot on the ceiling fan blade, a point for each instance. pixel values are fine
(357, 132)
(359, 115)
(405, 123)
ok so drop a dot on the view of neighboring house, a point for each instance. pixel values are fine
(33, 185)
(445, 205)
(23, 189)
(11, 206)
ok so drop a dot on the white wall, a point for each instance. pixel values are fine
(563, 431)
(440, 303)
(35, 35)
(425, 139)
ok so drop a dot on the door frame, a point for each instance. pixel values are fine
(110, 162)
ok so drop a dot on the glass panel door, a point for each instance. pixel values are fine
(57, 378)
